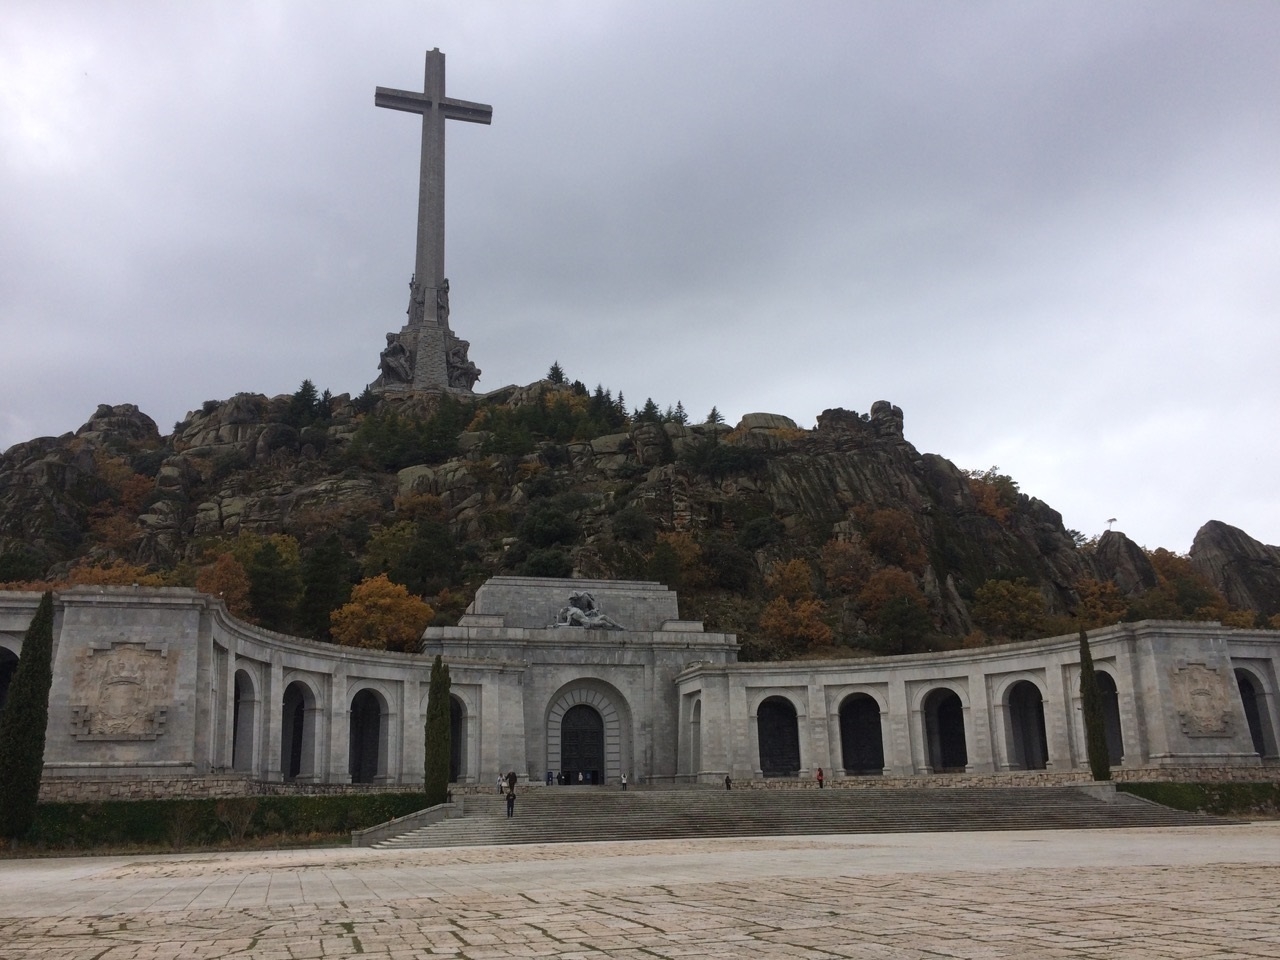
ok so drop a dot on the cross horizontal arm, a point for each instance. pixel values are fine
(411, 102)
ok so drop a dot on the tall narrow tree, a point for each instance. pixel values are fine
(23, 723)
(439, 745)
(1095, 725)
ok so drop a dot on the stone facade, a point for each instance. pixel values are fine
(162, 692)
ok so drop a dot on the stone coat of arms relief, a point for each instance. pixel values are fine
(1202, 698)
(122, 692)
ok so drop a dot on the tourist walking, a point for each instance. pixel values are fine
(511, 804)
(501, 782)
(728, 784)
(819, 778)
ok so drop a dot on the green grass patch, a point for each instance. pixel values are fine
(1223, 799)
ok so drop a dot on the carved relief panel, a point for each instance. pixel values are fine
(122, 691)
(1202, 698)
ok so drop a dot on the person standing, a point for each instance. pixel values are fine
(624, 781)
(511, 804)
(501, 781)
(728, 784)
(819, 778)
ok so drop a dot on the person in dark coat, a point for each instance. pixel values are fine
(511, 804)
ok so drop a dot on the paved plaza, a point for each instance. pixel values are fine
(1203, 893)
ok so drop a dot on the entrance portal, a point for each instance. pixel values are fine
(861, 741)
(779, 736)
(944, 732)
(582, 745)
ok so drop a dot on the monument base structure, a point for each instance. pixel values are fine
(162, 692)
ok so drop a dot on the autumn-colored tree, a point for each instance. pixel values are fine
(995, 493)
(792, 581)
(796, 624)
(885, 584)
(846, 565)
(225, 577)
(113, 573)
(1181, 594)
(688, 555)
(381, 615)
(892, 536)
(1013, 609)
(1101, 603)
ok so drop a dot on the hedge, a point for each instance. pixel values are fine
(1223, 799)
(185, 823)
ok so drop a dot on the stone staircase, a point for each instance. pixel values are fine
(581, 814)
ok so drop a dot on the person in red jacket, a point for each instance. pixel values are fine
(819, 778)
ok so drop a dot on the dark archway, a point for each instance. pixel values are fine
(8, 664)
(1110, 698)
(243, 720)
(1028, 747)
(582, 744)
(779, 736)
(861, 739)
(297, 733)
(456, 744)
(944, 731)
(1255, 709)
(366, 737)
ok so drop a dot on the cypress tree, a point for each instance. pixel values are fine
(23, 723)
(439, 748)
(1095, 726)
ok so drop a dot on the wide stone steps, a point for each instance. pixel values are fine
(567, 815)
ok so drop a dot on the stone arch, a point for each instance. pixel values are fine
(778, 737)
(1109, 695)
(368, 724)
(1026, 741)
(615, 724)
(8, 664)
(244, 722)
(1253, 696)
(861, 735)
(300, 712)
(944, 731)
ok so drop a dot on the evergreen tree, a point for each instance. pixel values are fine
(715, 416)
(679, 415)
(556, 373)
(23, 723)
(649, 413)
(1095, 726)
(274, 587)
(438, 733)
(303, 405)
(327, 578)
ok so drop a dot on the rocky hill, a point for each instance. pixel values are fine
(843, 538)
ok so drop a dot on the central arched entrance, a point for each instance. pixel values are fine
(582, 745)
(861, 739)
(779, 737)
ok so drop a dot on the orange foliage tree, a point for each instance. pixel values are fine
(381, 616)
(846, 565)
(226, 578)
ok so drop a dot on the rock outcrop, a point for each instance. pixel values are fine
(1245, 571)
(1124, 563)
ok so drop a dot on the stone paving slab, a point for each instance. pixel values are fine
(1206, 893)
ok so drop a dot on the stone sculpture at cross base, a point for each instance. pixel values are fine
(426, 355)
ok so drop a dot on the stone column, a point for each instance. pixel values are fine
(897, 725)
(273, 718)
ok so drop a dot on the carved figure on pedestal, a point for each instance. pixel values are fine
(395, 361)
(462, 372)
(442, 303)
(417, 301)
(583, 611)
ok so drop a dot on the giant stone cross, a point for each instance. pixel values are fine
(425, 355)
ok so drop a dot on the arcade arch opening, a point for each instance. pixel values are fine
(778, 733)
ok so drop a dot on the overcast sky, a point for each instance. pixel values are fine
(1050, 232)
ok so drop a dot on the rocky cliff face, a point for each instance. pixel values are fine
(1246, 571)
(749, 498)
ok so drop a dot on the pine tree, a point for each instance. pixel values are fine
(23, 723)
(327, 575)
(679, 415)
(274, 587)
(556, 373)
(1095, 726)
(438, 733)
(715, 416)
